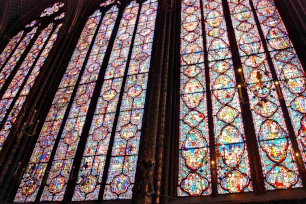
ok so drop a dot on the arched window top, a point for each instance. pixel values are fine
(21, 63)
(109, 2)
(54, 13)
(52, 10)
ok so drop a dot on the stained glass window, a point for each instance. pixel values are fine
(194, 161)
(275, 147)
(124, 155)
(19, 70)
(207, 67)
(232, 158)
(120, 104)
(289, 70)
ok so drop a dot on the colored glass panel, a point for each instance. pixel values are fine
(91, 172)
(8, 50)
(35, 171)
(275, 148)
(231, 151)
(289, 70)
(123, 162)
(194, 158)
(87, 187)
(64, 156)
(7, 69)
(53, 9)
(24, 79)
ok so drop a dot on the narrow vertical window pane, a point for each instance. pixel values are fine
(21, 76)
(231, 150)
(123, 163)
(7, 69)
(36, 168)
(24, 79)
(72, 130)
(194, 157)
(275, 148)
(8, 50)
(288, 67)
(91, 171)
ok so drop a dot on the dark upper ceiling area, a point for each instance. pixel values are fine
(17, 8)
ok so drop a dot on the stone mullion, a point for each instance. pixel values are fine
(176, 75)
(166, 180)
(162, 32)
(252, 146)
(292, 136)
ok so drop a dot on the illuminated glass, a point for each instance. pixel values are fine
(23, 79)
(91, 172)
(51, 10)
(288, 68)
(275, 148)
(194, 157)
(8, 50)
(124, 156)
(231, 151)
(64, 156)
(9, 66)
(81, 79)
(36, 168)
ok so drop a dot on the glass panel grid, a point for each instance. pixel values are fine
(123, 163)
(288, 67)
(36, 168)
(276, 153)
(194, 155)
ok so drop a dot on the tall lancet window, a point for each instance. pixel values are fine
(204, 38)
(108, 74)
(290, 77)
(278, 161)
(21, 62)
(213, 146)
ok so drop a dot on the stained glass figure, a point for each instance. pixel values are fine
(275, 147)
(20, 79)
